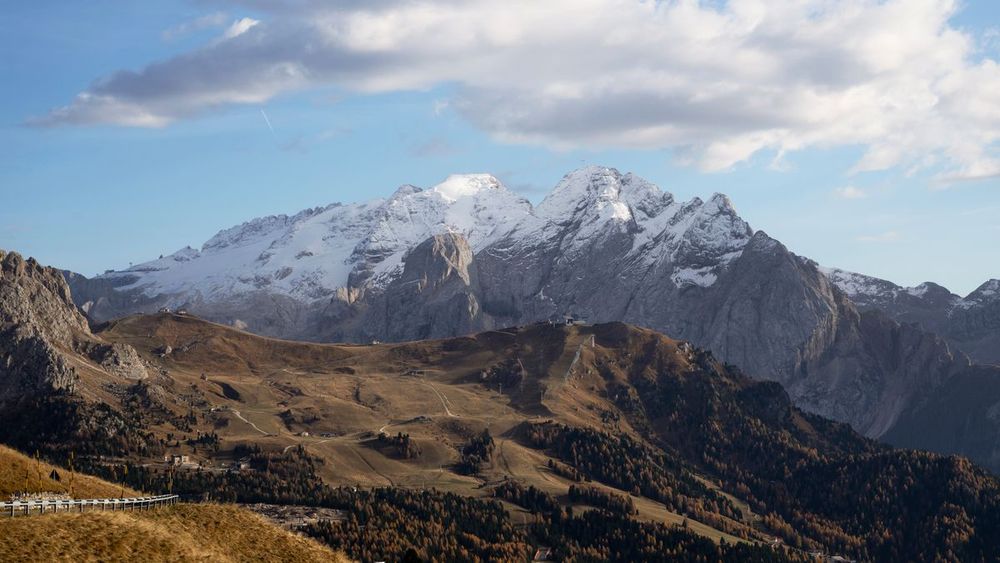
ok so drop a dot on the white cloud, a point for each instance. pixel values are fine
(850, 192)
(239, 27)
(715, 82)
(887, 236)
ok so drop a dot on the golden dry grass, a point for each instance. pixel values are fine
(20, 473)
(184, 532)
(343, 395)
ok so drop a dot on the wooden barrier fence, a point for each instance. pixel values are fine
(29, 507)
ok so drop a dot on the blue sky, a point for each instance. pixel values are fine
(152, 166)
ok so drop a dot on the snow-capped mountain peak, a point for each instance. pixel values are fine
(869, 291)
(719, 204)
(404, 191)
(578, 190)
(696, 239)
(458, 186)
(355, 247)
(988, 292)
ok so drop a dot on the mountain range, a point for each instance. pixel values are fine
(469, 255)
(620, 443)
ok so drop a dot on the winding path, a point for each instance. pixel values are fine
(444, 401)
(241, 417)
(576, 357)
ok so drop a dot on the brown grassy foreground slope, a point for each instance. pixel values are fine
(176, 533)
(22, 474)
(179, 533)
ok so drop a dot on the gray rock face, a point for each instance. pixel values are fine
(435, 297)
(41, 328)
(36, 316)
(38, 297)
(30, 365)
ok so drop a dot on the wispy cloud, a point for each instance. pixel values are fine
(718, 82)
(850, 192)
(267, 120)
(239, 27)
(988, 171)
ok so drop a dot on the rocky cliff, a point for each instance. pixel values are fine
(44, 338)
(37, 320)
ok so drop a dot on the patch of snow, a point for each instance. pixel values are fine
(458, 186)
(986, 293)
(989, 289)
(703, 277)
(855, 285)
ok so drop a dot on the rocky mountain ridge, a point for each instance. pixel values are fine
(970, 323)
(338, 255)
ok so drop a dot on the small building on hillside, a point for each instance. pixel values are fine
(176, 459)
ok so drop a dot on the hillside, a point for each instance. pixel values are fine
(686, 432)
(175, 533)
(178, 533)
(22, 474)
